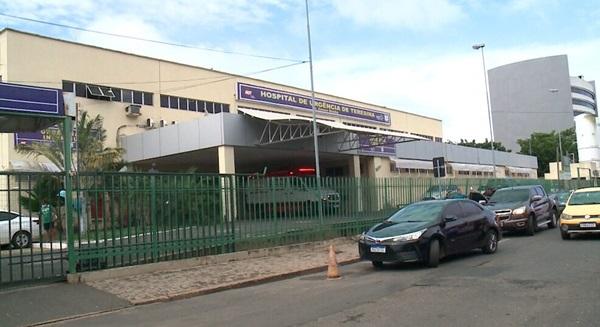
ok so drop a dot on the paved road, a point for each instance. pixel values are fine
(531, 281)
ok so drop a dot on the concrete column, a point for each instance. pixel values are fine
(354, 166)
(226, 156)
(226, 159)
(354, 169)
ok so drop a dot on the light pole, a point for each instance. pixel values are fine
(554, 91)
(480, 46)
(314, 118)
(312, 100)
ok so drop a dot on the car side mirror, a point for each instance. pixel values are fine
(450, 218)
(536, 197)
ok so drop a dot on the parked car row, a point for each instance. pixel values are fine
(431, 229)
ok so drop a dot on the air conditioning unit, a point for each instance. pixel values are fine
(163, 123)
(149, 123)
(133, 110)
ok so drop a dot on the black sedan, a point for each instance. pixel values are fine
(429, 230)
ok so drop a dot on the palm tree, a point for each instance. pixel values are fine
(93, 156)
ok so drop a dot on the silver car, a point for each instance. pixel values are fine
(18, 230)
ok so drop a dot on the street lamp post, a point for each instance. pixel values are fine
(558, 166)
(312, 99)
(480, 46)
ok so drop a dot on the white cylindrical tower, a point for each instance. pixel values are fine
(587, 138)
(583, 94)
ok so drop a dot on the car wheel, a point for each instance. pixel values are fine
(377, 264)
(531, 226)
(565, 235)
(552, 223)
(491, 244)
(433, 259)
(21, 239)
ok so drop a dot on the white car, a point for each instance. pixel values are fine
(17, 230)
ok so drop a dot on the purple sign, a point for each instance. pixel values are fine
(260, 94)
(16, 98)
(384, 150)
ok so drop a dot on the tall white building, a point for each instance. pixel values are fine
(540, 95)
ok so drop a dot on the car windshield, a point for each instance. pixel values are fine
(581, 198)
(563, 197)
(422, 211)
(510, 195)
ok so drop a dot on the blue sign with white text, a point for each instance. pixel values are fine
(254, 93)
(33, 100)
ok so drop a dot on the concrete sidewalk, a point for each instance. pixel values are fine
(26, 306)
(177, 283)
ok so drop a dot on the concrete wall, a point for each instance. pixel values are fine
(521, 102)
(424, 150)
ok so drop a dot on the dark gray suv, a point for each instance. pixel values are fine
(523, 208)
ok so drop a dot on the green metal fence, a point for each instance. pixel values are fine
(122, 219)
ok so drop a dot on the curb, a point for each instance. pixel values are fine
(246, 283)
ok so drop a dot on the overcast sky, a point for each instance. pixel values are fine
(412, 55)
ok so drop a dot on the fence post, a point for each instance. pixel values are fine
(67, 142)
(154, 228)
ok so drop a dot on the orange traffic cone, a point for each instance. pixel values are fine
(332, 268)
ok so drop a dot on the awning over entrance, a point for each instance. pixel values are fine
(31, 166)
(520, 170)
(282, 127)
(471, 167)
(412, 164)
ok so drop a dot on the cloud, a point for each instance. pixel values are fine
(448, 87)
(411, 14)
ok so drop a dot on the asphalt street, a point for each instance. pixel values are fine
(530, 281)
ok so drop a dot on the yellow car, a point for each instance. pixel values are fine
(582, 213)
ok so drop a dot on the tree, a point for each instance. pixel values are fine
(92, 154)
(544, 145)
(483, 145)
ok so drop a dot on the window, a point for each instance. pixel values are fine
(453, 209)
(107, 93)
(183, 103)
(540, 191)
(164, 101)
(99, 92)
(137, 97)
(4, 215)
(148, 101)
(583, 92)
(470, 208)
(584, 103)
(173, 102)
(201, 106)
(68, 86)
(210, 107)
(127, 96)
(80, 90)
(192, 105)
(117, 93)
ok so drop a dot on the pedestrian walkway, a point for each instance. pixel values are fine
(182, 283)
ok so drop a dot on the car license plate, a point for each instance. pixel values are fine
(378, 249)
(587, 225)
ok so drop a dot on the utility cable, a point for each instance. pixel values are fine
(181, 45)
